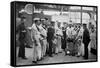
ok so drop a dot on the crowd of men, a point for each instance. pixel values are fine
(48, 39)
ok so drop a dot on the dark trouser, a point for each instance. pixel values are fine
(50, 47)
(63, 41)
(47, 50)
(85, 51)
(21, 50)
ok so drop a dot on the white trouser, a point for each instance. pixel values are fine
(58, 47)
(39, 50)
(44, 46)
(81, 50)
(34, 52)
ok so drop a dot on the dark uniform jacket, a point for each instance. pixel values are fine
(22, 32)
(50, 34)
(86, 36)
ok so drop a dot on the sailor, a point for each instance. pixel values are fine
(35, 35)
(74, 31)
(64, 38)
(43, 34)
(69, 39)
(59, 33)
(22, 36)
(69, 31)
(86, 40)
(50, 37)
(80, 44)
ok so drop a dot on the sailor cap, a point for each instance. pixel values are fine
(36, 19)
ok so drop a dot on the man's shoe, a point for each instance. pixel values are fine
(51, 55)
(24, 58)
(34, 61)
(77, 55)
(28, 46)
(39, 59)
(86, 58)
(56, 53)
(60, 52)
(66, 54)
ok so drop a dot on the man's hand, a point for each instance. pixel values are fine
(24, 31)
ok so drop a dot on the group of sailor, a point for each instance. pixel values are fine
(48, 38)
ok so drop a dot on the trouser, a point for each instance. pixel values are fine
(47, 49)
(35, 53)
(50, 47)
(39, 51)
(79, 50)
(21, 50)
(63, 41)
(86, 51)
(54, 47)
(44, 46)
(58, 47)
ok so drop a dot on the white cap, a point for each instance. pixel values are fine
(36, 19)
(22, 11)
(42, 19)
